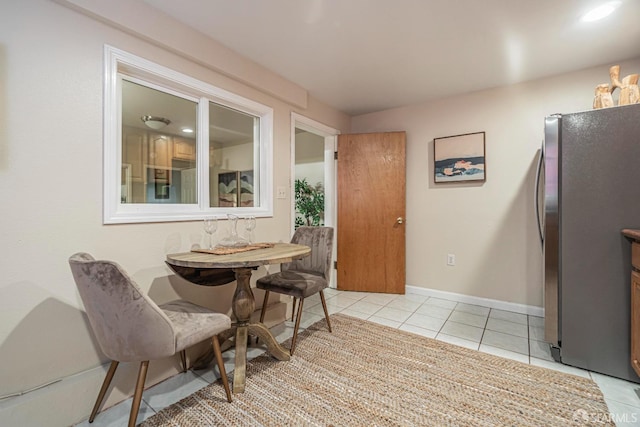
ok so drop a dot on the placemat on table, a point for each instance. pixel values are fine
(228, 251)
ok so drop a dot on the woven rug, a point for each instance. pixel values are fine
(365, 374)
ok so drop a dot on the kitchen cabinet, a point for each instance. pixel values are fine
(160, 150)
(184, 149)
(635, 321)
(634, 236)
(134, 151)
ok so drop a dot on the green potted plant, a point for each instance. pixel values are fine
(309, 203)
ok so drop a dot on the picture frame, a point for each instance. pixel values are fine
(245, 188)
(228, 189)
(459, 158)
(235, 189)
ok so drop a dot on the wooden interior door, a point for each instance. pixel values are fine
(371, 211)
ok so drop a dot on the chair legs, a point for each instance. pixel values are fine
(103, 389)
(137, 396)
(183, 359)
(326, 313)
(142, 375)
(264, 306)
(220, 362)
(299, 315)
(299, 302)
(295, 330)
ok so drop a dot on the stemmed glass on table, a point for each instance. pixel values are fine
(210, 227)
(250, 225)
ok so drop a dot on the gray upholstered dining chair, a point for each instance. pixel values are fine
(130, 327)
(304, 277)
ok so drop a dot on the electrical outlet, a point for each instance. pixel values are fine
(282, 193)
(451, 259)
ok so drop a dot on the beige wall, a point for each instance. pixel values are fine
(51, 71)
(51, 65)
(490, 227)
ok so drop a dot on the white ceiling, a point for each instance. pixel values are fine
(362, 56)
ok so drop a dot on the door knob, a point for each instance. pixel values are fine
(400, 220)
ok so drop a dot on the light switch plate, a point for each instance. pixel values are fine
(282, 193)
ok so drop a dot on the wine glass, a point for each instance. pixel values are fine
(250, 225)
(210, 227)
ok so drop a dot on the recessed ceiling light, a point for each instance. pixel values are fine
(601, 11)
(187, 130)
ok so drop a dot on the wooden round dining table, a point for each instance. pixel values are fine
(193, 267)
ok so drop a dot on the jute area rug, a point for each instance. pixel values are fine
(365, 374)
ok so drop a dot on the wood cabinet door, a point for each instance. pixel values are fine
(160, 151)
(133, 146)
(184, 149)
(371, 211)
(635, 321)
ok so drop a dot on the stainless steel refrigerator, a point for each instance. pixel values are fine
(591, 179)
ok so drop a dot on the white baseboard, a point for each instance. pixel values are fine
(486, 302)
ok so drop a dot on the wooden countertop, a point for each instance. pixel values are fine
(631, 233)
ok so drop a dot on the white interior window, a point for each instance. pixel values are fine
(178, 149)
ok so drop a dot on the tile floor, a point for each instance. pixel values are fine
(502, 333)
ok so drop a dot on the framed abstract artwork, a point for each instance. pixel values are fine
(459, 158)
(228, 189)
(235, 189)
(245, 188)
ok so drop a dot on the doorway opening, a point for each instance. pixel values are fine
(309, 179)
(313, 180)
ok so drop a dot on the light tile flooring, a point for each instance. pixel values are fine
(502, 333)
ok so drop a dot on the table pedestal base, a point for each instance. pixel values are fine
(273, 348)
(243, 305)
(241, 337)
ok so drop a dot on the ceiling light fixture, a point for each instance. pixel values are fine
(155, 122)
(187, 130)
(601, 11)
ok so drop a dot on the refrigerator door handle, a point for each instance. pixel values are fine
(536, 194)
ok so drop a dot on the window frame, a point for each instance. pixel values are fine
(119, 63)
